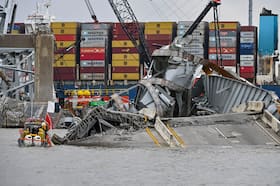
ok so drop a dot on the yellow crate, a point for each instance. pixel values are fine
(63, 63)
(125, 76)
(159, 25)
(122, 43)
(65, 57)
(128, 63)
(225, 25)
(125, 57)
(158, 31)
(71, 31)
(64, 44)
(15, 32)
(62, 25)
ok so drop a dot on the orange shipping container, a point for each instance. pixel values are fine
(122, 43)
(125, 57)
(65, 57)
(225, 25)
(125, 76)
(64, 25)
(228, 50)
(63, 63)
(123, 63)
(70, 31)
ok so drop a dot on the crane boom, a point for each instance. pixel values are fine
(7, 16)
(91, 11)
(212, 3)
(130, 25)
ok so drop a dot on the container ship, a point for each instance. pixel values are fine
(98, 59)
(94, 60)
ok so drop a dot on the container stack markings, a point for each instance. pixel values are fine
(197, 43)
(65, 54)
(94, 49)
(158, 34)
(18, 28)
(125, 65)
(248, 52)
(229, 39)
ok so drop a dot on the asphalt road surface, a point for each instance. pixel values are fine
(218, 154)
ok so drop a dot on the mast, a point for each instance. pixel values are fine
(250, 12)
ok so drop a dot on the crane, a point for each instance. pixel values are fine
(91, 11)
(129, 22)
(7, 16)
(211, 4)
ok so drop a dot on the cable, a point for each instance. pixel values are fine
(217, 37)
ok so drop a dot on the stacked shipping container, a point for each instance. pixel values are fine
(248, 52)
(199, 39)
(65, 55)
(229, 41)
(18, 28)
(125, 58)
(158, 34)
(94, 49)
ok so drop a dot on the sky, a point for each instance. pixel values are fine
(150, 10)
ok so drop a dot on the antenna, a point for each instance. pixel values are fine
(250, 12)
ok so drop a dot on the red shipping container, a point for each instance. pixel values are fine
(123, 36)
(158, 37)
(64, 70)
(97, 56)
(95, 50)
(118, 26)
(92, 70)
(247, 75)
(224, 50)
(65, 37)
(64, 73)
(249, 28)
(228, 63)
(247, 69)
(225, 62)
(64, 51)
(125, 69)
(124, 50)
(64, 77)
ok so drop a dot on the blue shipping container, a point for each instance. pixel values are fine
(268, 34)
(247, 51)
(247, 46)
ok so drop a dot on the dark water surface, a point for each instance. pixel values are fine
(193, 165)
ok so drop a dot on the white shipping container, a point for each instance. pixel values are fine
(91, 38)
(92, 63)
(223, 39)
(247, 63)
(93, 44)
(94, 32)
(247, 40)
(92, 76)
(247, 57)
(194, 51)
(224, 56)
(230, 68)
(194, 39)
(186, 24)
(192, 45)
(195, 32)
(247, 34)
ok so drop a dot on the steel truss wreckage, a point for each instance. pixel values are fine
(159, 98)
(182, 85)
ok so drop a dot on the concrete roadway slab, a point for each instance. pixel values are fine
(219, 130)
